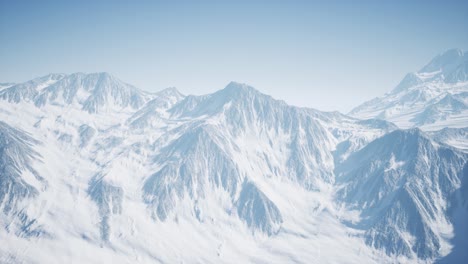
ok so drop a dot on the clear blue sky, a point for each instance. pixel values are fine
(330, 55)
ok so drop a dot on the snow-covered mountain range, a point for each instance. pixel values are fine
(95, 170)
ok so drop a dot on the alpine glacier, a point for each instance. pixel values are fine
(95, 170)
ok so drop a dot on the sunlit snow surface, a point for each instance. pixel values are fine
(95, 170)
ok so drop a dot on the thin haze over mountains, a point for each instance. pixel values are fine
(329, 55)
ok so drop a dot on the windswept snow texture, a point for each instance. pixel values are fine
(94, 170)
(432, 98)
(16, 159)
(257, 210)
(403, 184)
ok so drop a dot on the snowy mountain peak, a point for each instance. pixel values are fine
(449, 67)
(54, 76)
(233, 96)
(235, 90)
(236, 86)
(90, 92)
(27, 91)
(171, 92)
(446, 61)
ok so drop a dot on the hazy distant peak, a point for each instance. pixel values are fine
(236, 87)
(433, 97)
(54, 76)
(170, 91)
(446, 61)
(448, 67)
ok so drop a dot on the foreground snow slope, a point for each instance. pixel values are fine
(107, 173)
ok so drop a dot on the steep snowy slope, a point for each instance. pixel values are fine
(403, 186)
(432, 98)
(18, 181)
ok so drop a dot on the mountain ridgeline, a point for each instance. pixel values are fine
(88, 161)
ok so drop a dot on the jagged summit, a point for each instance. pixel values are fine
(446, 61)
(238, 91)
(51, 76)
(30, 89)
(239, 87)
(91, 92)
(170, 91)
(234, 95)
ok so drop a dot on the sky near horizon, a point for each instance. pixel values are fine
(328, 55)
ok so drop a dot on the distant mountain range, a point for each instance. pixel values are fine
(95, 170)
